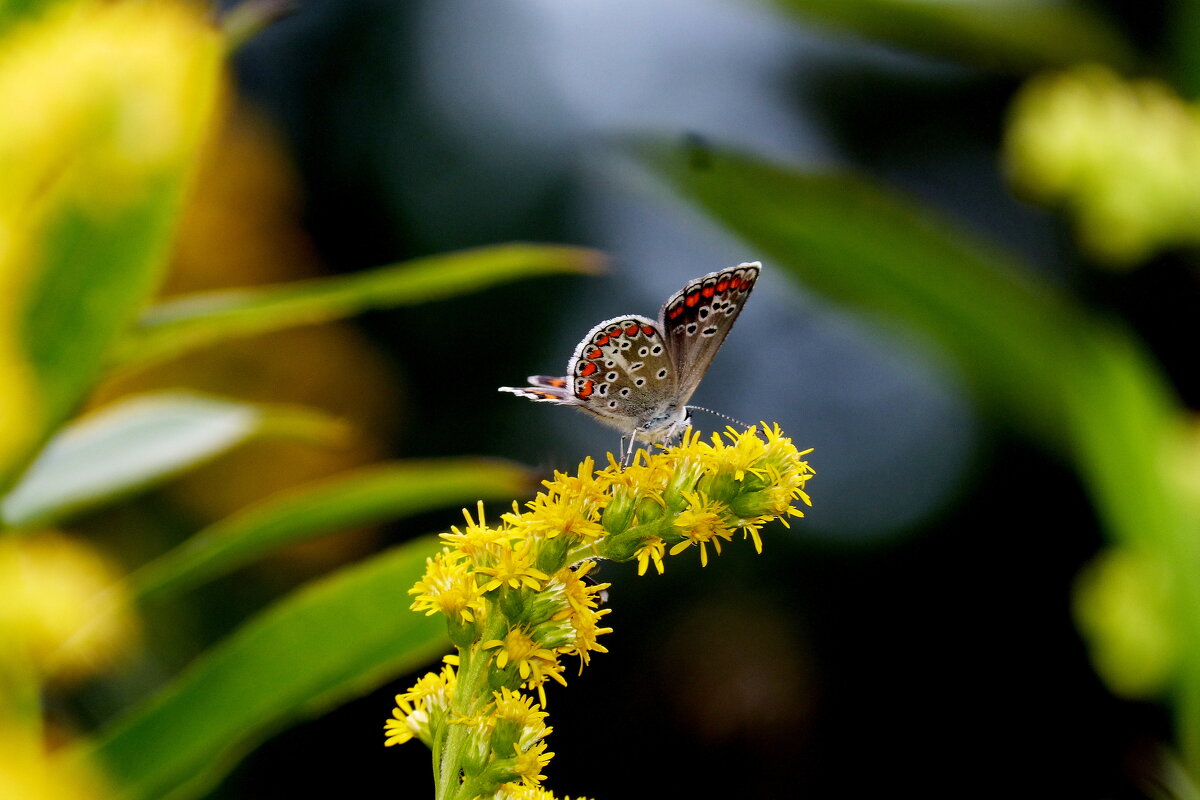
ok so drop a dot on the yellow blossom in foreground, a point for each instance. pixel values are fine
(703, 521)
(513, 567)
(533, 598)
(448, 587)
(651, 551)
(520, 649)
(422, 708)
(519, 791)
(529, 764)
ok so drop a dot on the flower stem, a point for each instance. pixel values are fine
(468, 697)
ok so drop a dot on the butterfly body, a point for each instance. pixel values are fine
(638, 374)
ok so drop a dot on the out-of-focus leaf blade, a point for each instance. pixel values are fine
(336, 638)
(186, 323)
(1126, 427)
(140, 442)
(1008, 35)
(364, 496)
(89, 219)
(1082, 384)
(871, 249)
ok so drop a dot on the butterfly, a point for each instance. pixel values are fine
(637, 374)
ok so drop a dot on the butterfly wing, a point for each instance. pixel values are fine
(622, 372)
(544, 389)
(697, 318)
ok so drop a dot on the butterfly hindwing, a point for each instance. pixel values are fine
(544, 389)
(697, 319)
(621, 371)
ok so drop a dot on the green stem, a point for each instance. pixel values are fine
(469, 696)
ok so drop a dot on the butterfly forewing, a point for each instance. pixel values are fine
(622, 371)
(697, 319)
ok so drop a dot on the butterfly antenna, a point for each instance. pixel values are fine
(718, 414)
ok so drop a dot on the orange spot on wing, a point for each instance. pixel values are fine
(648, 330)
(708, 290)
(588, 368)
(674, 311)
(559, 382)
(595, 352)
(693, 298)
(586, 390)
(602, 339)
(631, 329)
(723, 284)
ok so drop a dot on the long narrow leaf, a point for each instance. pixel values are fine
(1082, 384)
(140, 442)
(365, 496)
(177, 326)
(873, 250)
(1011, 35)
(337, 638)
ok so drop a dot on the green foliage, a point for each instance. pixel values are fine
(1009, 35)
(359, 497)
(140, 442)
(865, 246)
(333, 640)
(1082, 386)
(94, 276)
(185, 323)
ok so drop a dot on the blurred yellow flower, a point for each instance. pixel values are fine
(1122, 157)
(63, 605)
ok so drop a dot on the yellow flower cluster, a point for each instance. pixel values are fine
(1123, 157)
(517, 596)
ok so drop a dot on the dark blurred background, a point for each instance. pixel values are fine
(913, 633)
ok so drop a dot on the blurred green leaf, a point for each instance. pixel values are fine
(92, 278)
(1182, 28)
(371, 495)
(176, 326)
(1007, 35)
(871, 249)
(140, 442)
(1122, 415)
(1083, 385)
(1127, 426)
(335, 639)
(13, 11)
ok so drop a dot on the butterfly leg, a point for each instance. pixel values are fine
(627, 450)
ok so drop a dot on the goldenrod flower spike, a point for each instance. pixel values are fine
(518, 595)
